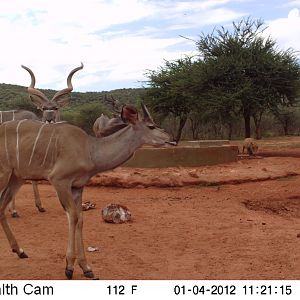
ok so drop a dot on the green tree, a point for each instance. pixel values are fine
(247, 72)
(286, 117)
(170, 91)
(85, 115)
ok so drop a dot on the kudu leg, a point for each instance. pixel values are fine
(81, 258)
(6, 196)
(37, 198)
(12, 208)
(65, 197)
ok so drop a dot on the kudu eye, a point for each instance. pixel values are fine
(151, 127)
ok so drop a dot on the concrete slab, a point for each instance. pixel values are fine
(205, 143)
(182, 156)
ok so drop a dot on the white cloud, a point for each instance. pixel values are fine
(292, 3)
(286, 30)
(213, 16)
(52, 37)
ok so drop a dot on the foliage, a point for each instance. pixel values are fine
(237, 73)
(88, 114)
(170, 91)
(246, 73)
(239, 76)
(84, 108)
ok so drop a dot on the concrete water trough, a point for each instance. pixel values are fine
(185, 156)
(205, 143)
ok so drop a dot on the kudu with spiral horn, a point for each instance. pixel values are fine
(67, 157)
(50, 109)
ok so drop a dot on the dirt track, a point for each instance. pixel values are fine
(228, 231)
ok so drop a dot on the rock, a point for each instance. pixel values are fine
(116, 213)
(92, 249)
(194, 174)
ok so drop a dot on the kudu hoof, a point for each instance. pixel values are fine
(69, 273)
(88, 274)
(15, 215)
(41, 209)
(23, 255)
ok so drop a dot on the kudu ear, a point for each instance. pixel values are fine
(62, 98)
(38, 98)
(146, 115)
(129, 113)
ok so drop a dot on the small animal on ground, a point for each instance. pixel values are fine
(250, 145)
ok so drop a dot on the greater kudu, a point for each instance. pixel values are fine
(16, 114)
(104, 126)
(100, 124)
(103, 121)
(50, 109)
(10, 115)
(67, 157)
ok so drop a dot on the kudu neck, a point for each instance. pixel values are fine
(111, 151)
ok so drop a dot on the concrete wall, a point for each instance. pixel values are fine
(206, 143)
(182, 156)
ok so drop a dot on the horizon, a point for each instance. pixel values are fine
(118, 41)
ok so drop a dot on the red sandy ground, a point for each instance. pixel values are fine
(244, 226)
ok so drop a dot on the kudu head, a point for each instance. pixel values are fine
(151, 134)
(50, 108)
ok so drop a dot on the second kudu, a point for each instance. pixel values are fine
(67, 157)
(104, 126)
(50, 109)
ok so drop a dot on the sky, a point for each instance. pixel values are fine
(119, 40)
